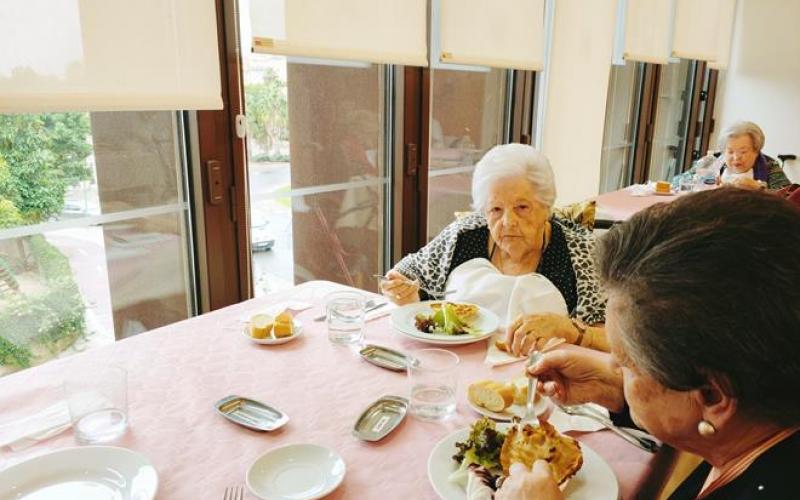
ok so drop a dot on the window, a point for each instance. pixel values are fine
(658, 121)
(94, 238)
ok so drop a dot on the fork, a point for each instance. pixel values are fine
(586, 411)
(234, 493)
(369, 305)
(414, 282)
(535, 356)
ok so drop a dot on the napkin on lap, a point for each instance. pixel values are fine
(27, 431)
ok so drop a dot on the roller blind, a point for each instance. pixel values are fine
(500, 34)
(103, 55)
(386, 31)
(727, 20)
(697, 25)
(648, 30)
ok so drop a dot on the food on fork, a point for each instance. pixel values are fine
(494, 396)
(261, 326)
(283, 325)
(527, 444)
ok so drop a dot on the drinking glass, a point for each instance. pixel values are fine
(345, 317)
(433, 379)
(97, 398)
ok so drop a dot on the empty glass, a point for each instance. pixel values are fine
(433, 378)
(345, 317)
(97, 398)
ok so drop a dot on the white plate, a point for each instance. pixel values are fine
(510, 412)
(403, 321)
(86, 472)
(296, 472)
(594, 481)
(298, 330)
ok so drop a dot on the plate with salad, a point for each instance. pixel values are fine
(445, 323)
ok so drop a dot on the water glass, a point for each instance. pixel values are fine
(97, 398)
(345, 317)
(433, 378)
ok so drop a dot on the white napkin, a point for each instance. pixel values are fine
(564, 422)
(496, 357)
(27, 431)
(477, 489)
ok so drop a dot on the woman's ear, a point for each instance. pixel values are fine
(716, 404)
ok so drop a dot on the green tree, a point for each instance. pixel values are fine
(267, 111)
(43, 155)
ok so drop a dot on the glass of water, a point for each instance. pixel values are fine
(97, 398)
(433, 378)
(345, 315)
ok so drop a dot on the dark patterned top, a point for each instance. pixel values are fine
(432, 264)
(554, 265)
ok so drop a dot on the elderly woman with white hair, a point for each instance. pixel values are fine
(511, 255)
(742, 163)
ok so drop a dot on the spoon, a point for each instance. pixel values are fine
(535, 356)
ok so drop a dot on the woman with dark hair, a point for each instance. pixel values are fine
(703, 319)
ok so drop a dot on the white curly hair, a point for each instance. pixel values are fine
(513, 160)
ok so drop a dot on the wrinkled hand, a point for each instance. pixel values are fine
(531, 331)
(400, 289)
(575, 375)
(535, 484)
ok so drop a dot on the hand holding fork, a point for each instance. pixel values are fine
(401, 290)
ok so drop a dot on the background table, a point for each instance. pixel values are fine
(621, 204)
(178, 372)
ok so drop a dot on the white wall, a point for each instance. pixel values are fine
(762, 83)
(579, 68)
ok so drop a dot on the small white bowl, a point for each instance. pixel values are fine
(298, 330)
(296, 472)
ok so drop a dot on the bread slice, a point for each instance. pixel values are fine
(283, 325)
(527, 443)
(261, 326)
(494, 396)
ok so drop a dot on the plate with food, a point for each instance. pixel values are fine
(476, 458)
(441, 322)
(267, 329)
(503, 401)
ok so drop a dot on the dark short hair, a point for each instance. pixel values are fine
(711, 287)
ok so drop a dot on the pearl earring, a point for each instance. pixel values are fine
(706, 428)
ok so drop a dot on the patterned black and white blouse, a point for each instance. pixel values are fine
(567, 262)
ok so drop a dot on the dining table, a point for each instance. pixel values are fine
(178, 372)
(619, 205)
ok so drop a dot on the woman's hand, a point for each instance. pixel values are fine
(530, 331)
(399, 289)
(535, 484)
(575, 375)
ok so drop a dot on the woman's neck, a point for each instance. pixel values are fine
(515, 266)
(738, 442)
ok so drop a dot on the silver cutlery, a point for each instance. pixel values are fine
(533, 358)
(234, 493)
(587, 411)
(369, 306)
(429, 292)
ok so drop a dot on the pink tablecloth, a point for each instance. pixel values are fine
(620, 205)
(179, 371)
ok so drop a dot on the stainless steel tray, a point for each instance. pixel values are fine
(381, 418)
(385, 357)
(250, 413)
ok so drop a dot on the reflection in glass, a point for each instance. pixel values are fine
(672, 116)
(622, 109)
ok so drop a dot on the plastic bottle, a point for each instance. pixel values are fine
(706, 173)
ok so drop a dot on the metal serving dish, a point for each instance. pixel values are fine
(250, 413)
(385, 357)
(381, 418)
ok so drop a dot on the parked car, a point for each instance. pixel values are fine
(261, 239)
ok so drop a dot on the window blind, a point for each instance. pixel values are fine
(727, 20)
(648, 30)
(697, 26)
(499, 34)
(384, 32)
(108, 55)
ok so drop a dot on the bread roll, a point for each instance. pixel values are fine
(494, 396)
(283, 326)
(261, 326)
